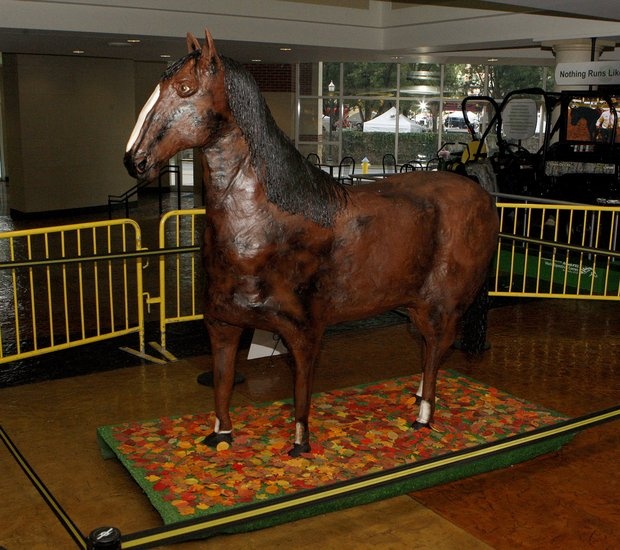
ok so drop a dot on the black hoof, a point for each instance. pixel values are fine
(299, 449)
(213, 439)
(420, 425)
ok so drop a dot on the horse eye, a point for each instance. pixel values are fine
(185, 89)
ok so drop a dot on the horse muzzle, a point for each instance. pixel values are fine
(136, 165)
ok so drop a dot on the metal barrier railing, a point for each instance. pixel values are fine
(179, 293)
(69, 285)
(133, 191)
(558, 251)
(545, 250)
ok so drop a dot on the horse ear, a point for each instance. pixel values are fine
(210, 48)
(192, 44)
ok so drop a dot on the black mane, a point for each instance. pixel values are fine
(175, 67)
(291, 182)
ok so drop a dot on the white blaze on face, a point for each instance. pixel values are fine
(142, 117)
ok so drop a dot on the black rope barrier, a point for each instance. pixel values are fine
(53, 504)
(145, 253)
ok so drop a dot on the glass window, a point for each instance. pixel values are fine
(507, 78)
(331, 126)
(370, 79)
(330, 82)
(367, 110)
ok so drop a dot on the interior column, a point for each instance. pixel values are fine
(578, 51)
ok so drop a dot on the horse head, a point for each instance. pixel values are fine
(188, 108)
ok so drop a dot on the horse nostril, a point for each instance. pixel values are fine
(141, 166)
(136, 165)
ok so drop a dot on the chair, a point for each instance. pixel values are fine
(314, 159)
(389, 163)
(412, 166)
(345, 168)
(432, 164)
(407, 167)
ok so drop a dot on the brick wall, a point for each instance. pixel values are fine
(272, 77)
(306, 82)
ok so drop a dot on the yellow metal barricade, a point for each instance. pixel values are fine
(69, 285)
(558, 251)
(552, 251)
(180, 280)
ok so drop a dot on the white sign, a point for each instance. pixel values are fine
(265, 344)
(519, 118)
(593, 72)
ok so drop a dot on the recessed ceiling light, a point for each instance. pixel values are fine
(165, 56)
(256, 60)
(492, 59)
(285, 49)
(134, 40)
(78, 51)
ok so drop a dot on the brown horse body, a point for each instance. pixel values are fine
(422, 240)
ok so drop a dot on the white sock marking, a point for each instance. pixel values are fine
(299, 433)
(425, 412)
(420, 388)
(217, 430)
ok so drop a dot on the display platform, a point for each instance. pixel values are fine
(363, 450)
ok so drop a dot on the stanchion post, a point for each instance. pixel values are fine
(104, 538)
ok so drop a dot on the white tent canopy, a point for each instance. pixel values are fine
(386, 122)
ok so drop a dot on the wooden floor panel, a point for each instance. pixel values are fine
(561, 354)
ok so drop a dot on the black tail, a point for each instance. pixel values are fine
(474, 324)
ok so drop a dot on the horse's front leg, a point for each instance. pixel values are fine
(224, 344)
(304, 349)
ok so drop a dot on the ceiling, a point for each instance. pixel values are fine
(511, 31)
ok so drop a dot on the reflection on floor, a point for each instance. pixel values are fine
(4, 199)
(561, 354)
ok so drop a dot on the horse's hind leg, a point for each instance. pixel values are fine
(224, 344)
(438, 329)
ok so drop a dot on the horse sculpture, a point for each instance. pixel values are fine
(290, 250)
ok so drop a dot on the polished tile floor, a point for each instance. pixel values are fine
(562, 354)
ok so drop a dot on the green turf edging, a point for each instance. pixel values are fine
(467, 468)
(365, 452)
(346, 498)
